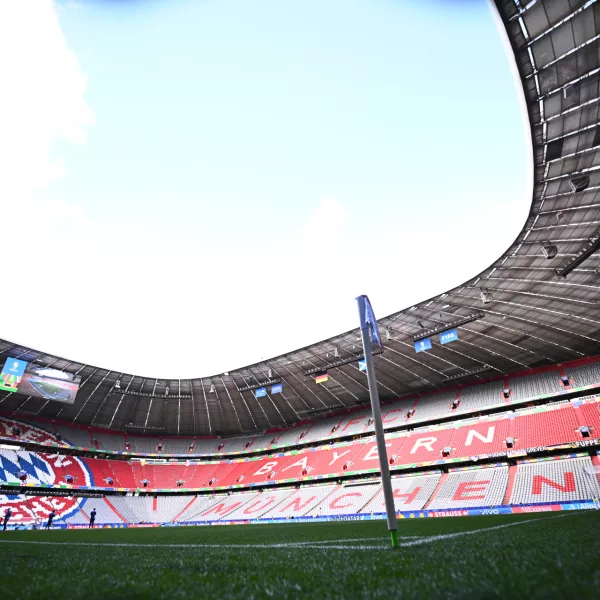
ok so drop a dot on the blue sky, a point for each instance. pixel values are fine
(196, 180)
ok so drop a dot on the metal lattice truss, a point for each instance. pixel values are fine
(538, 303)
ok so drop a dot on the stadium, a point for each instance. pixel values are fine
(488, 403)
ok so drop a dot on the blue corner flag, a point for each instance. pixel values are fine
(367, 319)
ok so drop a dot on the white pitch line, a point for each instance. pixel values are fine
(447, 536)
(373, 539)
(316, 545)
(300, 545)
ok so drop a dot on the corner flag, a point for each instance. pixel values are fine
(369, 333)
(367, 320)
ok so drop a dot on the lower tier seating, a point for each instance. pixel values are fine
(547, 481)
(479, 487)
(555, 481)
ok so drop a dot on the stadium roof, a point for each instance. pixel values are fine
(536, 305)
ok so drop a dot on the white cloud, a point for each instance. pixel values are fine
(42, 100)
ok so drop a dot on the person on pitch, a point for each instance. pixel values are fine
(50, 518)
(7, 514)
(92, 519)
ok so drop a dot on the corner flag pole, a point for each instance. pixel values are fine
(370, 335)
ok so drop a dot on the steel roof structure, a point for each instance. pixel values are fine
(537, 305)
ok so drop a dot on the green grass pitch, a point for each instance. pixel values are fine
(551, 555)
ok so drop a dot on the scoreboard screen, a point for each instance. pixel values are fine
(39, 381)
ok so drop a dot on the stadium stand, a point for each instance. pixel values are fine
(146, 445)
(197, 505)
(546, 428)
(591, 417)
(345, 500)
(76, 437)
(544, 481)
(437, 405)
(474, 487)
(434, 406)
(410, 493)
(176, 446)
(104, 514)
(166, 508)
(584, 375)
(534, 386)
(224, 506)
(481, 396)
(300, 502)
(529, 429)
(262, 503)
(134, 510)
(555, 481)
(114, 442)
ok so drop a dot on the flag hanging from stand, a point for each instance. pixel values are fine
(321, 377)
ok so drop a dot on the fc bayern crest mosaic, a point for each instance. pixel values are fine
(35, 468)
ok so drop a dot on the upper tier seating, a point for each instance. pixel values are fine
(75, 437)
(430, 406)
(475, 487)
(555, 481)
(115, 442)
(474, 397)
(146, 445)
(584, 375)
(434, 406)
(534, 386)
(176, 446)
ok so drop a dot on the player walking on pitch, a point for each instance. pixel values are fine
(50, 518)
(7, 514)
(92, 519)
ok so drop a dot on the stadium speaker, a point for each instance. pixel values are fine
(446, 451)
(565, 381)
(506, 393)
(486, 297)
(455, 404)
(584, 430)
(579, 183)
(549, 250)
(510, 442)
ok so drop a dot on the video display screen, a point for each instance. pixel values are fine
(39, 381)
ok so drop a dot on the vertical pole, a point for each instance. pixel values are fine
(384, 467)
